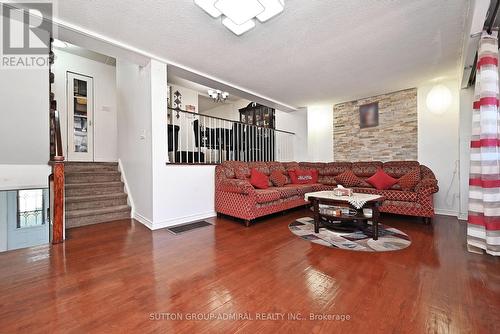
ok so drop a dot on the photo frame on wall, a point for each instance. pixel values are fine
(368, 115)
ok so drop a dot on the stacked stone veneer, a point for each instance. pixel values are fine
(395, 138)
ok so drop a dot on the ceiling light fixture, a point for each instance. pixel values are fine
(239, 15)
(218, 95)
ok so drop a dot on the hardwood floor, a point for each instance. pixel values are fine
(121, 277)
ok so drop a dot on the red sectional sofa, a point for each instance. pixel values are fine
(235, 196)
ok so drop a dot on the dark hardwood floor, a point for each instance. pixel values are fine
(121, 277)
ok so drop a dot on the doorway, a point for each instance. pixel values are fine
(80, 117)
(24, 213)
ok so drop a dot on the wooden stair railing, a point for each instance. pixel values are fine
(56, 179)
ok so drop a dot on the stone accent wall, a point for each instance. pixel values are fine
(395, 138)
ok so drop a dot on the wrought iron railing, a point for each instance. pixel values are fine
(201, 139)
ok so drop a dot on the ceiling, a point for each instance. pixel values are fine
(204, 101)
(85, 53)
(315, 52)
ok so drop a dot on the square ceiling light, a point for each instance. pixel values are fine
(240, 11)
(238, 29)
(208, 6)
(239, 15)
(272, 8)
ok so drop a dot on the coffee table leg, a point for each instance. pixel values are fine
(316, 215)
(376, 217)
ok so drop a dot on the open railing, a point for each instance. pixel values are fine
(201, 139)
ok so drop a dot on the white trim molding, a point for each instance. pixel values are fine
(183, 220)
(130, 199)
(143, 220)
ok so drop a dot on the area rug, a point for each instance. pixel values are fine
(389, 238)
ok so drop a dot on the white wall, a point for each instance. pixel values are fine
(24, 115)
(296, 122)
(466, 99)
(228, 110)
(134, 134)
(438, 147)
(320, 133)
(189, 96)
(105, 113)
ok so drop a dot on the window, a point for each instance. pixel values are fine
(30, 208)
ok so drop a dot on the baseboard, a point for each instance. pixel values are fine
(183, 220)
(143, 220)
(445, 212)
(130, 199)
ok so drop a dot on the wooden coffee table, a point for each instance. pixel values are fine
(326, 197)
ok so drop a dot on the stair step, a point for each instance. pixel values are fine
(90, 168)
(93, 188)
(95, 177)
(95, 212)
(96, 216)
(95, 201)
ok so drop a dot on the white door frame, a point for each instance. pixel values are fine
(71, 154)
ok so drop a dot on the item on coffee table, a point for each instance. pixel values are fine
(368, 213)
(341, 191)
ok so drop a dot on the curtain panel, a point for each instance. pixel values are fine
(483, 228)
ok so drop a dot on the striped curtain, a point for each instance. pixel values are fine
(483, 228)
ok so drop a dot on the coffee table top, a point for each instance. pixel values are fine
(358, 200)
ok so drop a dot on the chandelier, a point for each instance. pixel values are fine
(218, 95)
(239, 15)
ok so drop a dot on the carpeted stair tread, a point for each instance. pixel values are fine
(89, 198)
(96, 212)
(93, 184)
(94, 193)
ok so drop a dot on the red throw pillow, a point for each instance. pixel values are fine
(409, 181)
(347, 179)
(381, 180)
(258, 180)
(278, 178)
(299, 176)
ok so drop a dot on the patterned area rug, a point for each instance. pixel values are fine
(389, 239)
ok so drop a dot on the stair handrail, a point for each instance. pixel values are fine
(57, 139)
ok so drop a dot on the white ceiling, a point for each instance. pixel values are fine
(315, 52)
(85, 53)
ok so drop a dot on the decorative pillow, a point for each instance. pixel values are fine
(277, 178)
(258, 180)
(347, 179)
(299, 176)
(381, 180)
(409, 181)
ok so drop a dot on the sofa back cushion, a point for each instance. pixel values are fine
(397, 169)
(275, 165)
(260, 166)
(239, 168)
(312, 165)
(335, 168)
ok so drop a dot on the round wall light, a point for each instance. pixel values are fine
(439, 99)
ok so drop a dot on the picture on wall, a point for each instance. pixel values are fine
(368, 115)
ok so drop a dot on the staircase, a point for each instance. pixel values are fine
(94, 193)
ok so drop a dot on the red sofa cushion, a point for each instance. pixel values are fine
(300, 176)
(266, 195)
(347, 179)
(409, 181)
(278, 178)
(381, 180)
(258, 180)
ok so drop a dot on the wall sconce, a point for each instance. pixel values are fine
(439, 99)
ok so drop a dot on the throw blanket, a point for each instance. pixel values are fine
(356, 200)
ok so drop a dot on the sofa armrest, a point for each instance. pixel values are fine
(235, 186)
(427, 187)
